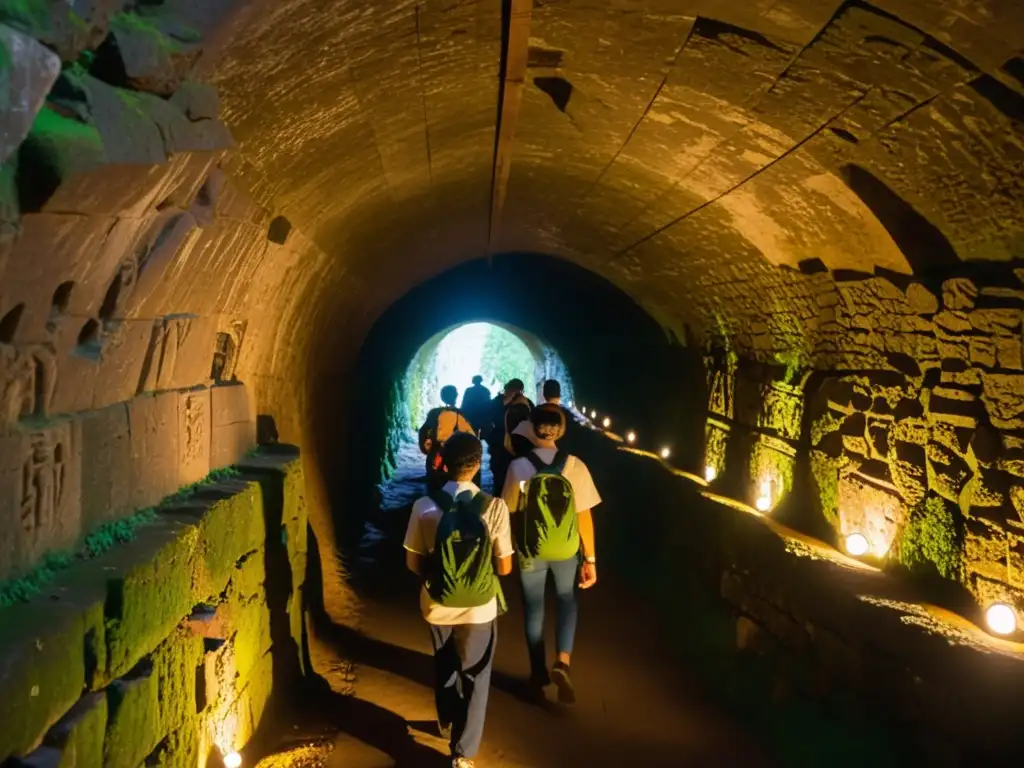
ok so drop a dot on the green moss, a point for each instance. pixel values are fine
(116, 532)
(80, 734)
(768, 462)
(248, 614)
(148, 600)
(23, 589)
(932, 540)
(229, 529)
(179, 748)
(826, 424)
(825, 471)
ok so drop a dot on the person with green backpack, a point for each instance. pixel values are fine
(458, 543)
(551, 495)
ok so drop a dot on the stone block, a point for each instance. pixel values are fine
(1015, 559)
(197, 100)
(121, 355)
(909, 472)
(1003, 396)
(67, 28)
(79, 734)
(27, 72)
(107, 469)
(983, 352)
(985, 549)
(876, 513)
(194, 436)
(153, 426)
(231, 528)
(1009, 354)
(921, 299)
(248, 615)
(50, 650)
(40, 493)
(152, 60)
(948, 473)
(234, 433)
(172, 233)
(179, 748)
(133, 728)
(959, 293)
(152, 591)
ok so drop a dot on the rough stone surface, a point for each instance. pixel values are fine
(28, 71)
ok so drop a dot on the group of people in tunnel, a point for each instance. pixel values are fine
(461, 540)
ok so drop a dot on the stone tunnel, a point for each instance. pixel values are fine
(778, 244)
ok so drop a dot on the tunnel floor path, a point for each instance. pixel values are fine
(637, 705)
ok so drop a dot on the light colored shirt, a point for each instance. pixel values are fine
(421, 535)
(521, 470)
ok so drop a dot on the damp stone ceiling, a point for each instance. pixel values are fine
(715, 159)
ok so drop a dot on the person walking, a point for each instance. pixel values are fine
(552, 391)
(458, 543)
(476, 402)
(510, 409)
(551, 494)
(441, 423)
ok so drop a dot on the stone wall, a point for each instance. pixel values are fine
(167, 649)
(913, 426)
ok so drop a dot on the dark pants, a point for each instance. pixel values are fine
(500, 459)
(463, 656)
(534, 578)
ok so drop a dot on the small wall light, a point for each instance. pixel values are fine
(763, 503)
(232, 760)
(710, 473)
(665, 452)
(593, 414)
(631, 437)
(857, 544)
(1001, 619)
(607, 422)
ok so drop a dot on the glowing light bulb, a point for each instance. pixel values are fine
(856, 544)
(631, 437)
(1001, 619)
(766, 487)
(763, 503)
(607, 422)
(593, 414)
(522, 486)
(665, 453)
(710, 473)
(232, 760)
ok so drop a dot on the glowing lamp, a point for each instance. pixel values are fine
(856, 544)
(631, 437)
(522, 486)
(763, 503)
(710, 473)
(1001, 619)
(593, 414)
(607, 422)
(665, 453)
(232, 760)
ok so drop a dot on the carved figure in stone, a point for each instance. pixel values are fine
(194, 418)
(42, 483)
(227, 351)
(169, 336)
(28, 378)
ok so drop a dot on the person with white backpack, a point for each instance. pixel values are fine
(550, 495)
(440, 424)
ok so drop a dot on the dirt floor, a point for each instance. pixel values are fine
(637, 705)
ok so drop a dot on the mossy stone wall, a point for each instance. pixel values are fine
(162, 649)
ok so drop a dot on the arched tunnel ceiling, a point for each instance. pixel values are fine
(689, 150)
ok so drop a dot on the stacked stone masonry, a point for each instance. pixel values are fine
(166, 649)
(920, 396)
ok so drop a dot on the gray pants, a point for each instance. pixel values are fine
(463, 656)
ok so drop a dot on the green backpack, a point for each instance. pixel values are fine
(461, 571)
(548, 510)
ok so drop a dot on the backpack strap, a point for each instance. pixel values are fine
(559, 462)
(444, 501)
(536, 461)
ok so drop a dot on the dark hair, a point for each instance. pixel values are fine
(548, 421)
(461, 451)
(515, 385)
(449, 395)
(552, 389)
(478, 379)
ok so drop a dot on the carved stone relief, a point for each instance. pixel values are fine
(28, 377)
(169, 336)
(227, 351)
(42, 489)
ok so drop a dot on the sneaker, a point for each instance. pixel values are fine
(562, 681)
(444, 730)
(462, 762)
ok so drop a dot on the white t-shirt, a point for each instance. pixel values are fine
(420, 536)
(520, 470)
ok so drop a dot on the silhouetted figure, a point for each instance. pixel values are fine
(441, 423)
(458, 542)
(551, 494)
(511, 408)
(476, 402)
